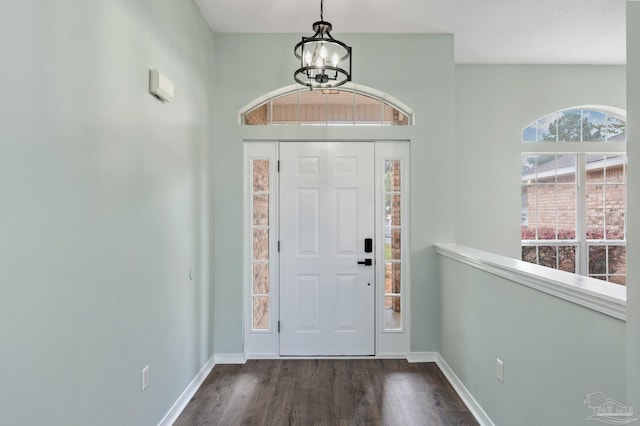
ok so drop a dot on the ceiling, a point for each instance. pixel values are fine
(486, 31)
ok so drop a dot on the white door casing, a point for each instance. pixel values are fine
(327, 299)
(262, 338)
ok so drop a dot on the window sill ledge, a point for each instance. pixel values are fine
(609, 299)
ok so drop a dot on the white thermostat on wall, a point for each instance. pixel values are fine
(160, 86)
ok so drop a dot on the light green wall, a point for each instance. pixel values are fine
(105, 206)
(103, 209)
(554, 352)
(493, 104)
(250, 65)
(633, 201)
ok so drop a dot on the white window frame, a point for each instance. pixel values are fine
(581, 242)
(388, 342)
(258, 342)
(581, 150)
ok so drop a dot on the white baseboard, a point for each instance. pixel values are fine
(262, 356)
(464, 393)
(239, 358)
(177, 408)
(422, 356)
(274, 356)
(391, 356)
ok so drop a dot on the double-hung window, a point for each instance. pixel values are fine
(574, 188)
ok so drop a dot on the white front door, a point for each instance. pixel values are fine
(327, 298)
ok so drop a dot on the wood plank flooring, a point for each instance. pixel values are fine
(326, 392)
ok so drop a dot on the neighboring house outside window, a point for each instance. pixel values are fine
(574, 193)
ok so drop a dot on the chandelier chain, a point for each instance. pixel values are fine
(322, 10)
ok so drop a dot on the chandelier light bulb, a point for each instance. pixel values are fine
(307, 58)
(323, 52)
(335, 59)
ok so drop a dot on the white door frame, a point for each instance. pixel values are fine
(264, 343)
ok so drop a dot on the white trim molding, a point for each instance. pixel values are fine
(179, 406)
(391, 355)
(468, 399)
(262, 356)
(601, 296)
(227, 358)
(414, 357)
(378, 356)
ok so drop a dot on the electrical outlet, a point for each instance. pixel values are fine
(145, 377)
(499, 369)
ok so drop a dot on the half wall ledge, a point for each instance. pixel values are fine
(609, 299)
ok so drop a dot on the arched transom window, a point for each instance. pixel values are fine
(578, 125)
(327, 107)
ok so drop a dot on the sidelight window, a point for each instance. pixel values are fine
(393, 233)
(260, 247)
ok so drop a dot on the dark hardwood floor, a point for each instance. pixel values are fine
(326, 392)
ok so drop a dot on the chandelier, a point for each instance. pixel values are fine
(324, 61)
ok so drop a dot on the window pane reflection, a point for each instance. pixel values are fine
(392, 207)
(261, 278)
(339, 107)
(260, 175)
(313, 107)
(392, 278)
(392, 313)
(548, 256)
(367, 110)
(567, 258)
(393, 243)
(257, 116)
(260, 244)
(285, 109)
(261, 209)
(261, 313)
(392, 176)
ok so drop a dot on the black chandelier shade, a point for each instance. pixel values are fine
(324, 61)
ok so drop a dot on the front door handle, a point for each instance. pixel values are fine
(366, 262)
